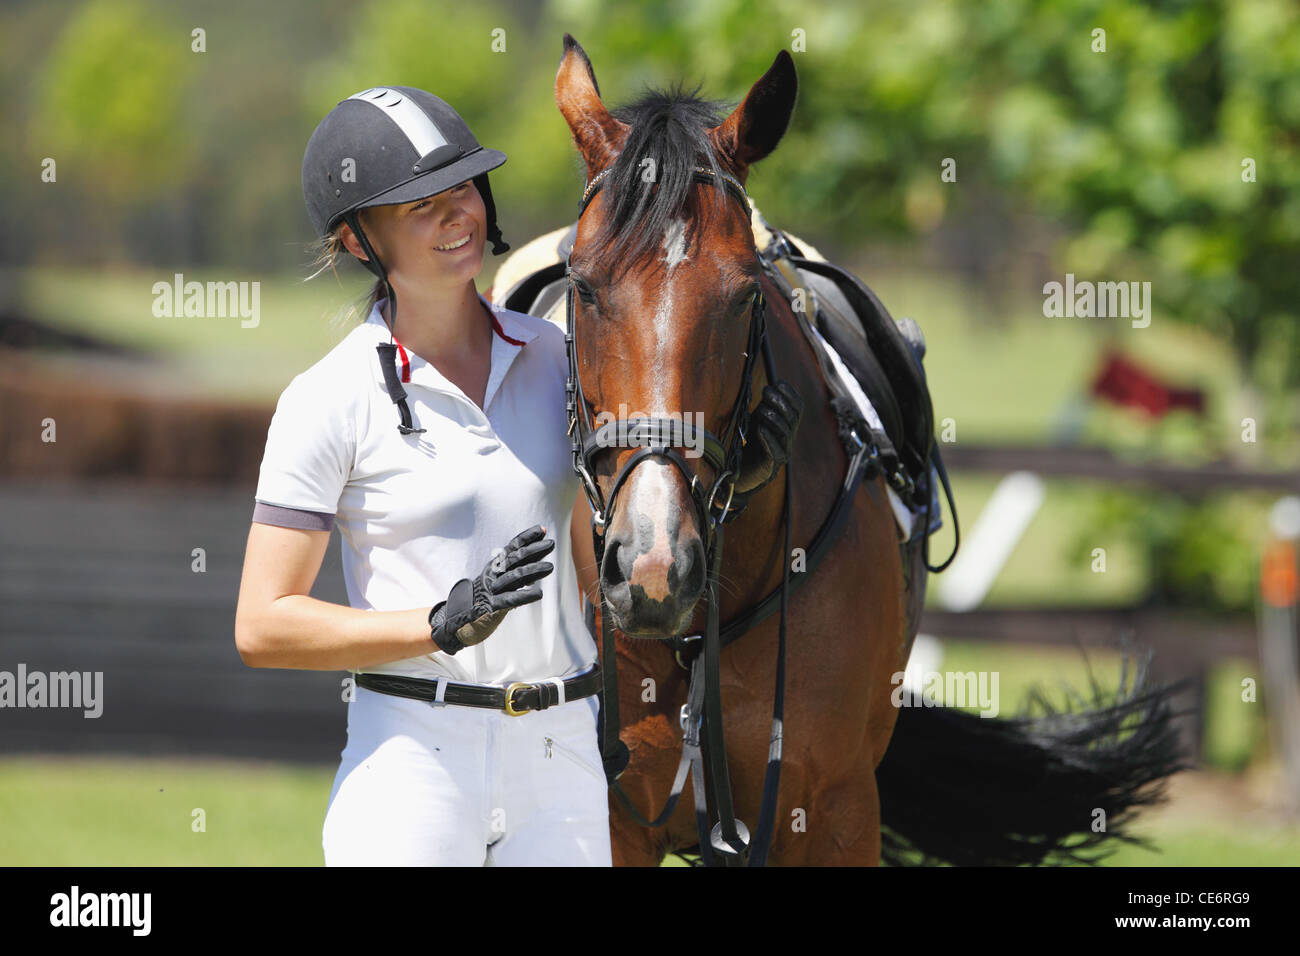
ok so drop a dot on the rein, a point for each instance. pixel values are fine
(728, 841)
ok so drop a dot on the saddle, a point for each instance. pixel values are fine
(883, 354)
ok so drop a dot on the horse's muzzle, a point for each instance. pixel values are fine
(651, 590)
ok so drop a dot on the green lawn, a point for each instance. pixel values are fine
(1235, 731)
(100, 812)
(137, 812)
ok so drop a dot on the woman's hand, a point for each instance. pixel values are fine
(476, 606)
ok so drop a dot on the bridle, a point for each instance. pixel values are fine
(728, 841)
(659, 437)
(656, 437)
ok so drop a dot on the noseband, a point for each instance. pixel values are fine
(659, 437)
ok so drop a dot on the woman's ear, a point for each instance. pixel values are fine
(351, 243)
(372, 222)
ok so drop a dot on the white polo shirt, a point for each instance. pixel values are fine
(419, 512)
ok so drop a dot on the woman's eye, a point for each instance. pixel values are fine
(419, 206)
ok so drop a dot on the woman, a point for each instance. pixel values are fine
(443, 764)
(472, 732)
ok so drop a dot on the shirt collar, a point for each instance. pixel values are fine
(509, 336)
(505, 325)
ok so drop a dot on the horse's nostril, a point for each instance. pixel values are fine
(611, 568)
(692, 574)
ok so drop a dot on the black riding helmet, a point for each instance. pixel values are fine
(384, 146)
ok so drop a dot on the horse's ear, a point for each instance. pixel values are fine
(596, 133)
(757, 125)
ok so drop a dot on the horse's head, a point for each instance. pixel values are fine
(665, 278)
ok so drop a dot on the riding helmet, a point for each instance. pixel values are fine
(389, 145)
(384, 146)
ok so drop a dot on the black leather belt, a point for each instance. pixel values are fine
(515, 699)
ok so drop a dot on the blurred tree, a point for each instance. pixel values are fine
(1198, 553)
(111, 100)
(484, 61)
(1139, 148)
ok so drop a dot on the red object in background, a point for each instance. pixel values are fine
(1124, 382)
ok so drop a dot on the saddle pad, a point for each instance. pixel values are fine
(909, 521)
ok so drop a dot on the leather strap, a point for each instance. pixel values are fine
(526, 696)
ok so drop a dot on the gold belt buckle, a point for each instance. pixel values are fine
(510, 707)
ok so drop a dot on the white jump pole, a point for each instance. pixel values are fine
(996, 532)
(1278, 653)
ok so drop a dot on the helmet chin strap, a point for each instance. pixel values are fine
(387, 350)
(499, 245)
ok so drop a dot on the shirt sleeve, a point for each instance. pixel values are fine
(308, 459)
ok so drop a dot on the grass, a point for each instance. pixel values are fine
(128, 812)
(109, 812)
(1212, 843)
(138, 812)
(212, 356)
(1234, 730)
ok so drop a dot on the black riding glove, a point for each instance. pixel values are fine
(476, 605)
(772, 428)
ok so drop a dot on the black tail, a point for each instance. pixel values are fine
(972, 791)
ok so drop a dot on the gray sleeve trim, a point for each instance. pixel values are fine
(292, 517)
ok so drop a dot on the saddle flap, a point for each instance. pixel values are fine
(887, 355)
(524, 295)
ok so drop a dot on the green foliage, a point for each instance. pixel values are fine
(1135, 153)
(405, 43)
(112, 99)
(1196, 552)
(1138, 149)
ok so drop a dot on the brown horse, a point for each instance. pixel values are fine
(664, 271)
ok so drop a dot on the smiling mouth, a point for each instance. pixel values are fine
(451, 246)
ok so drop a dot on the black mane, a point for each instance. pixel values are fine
(670, 127)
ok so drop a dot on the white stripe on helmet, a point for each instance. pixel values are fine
(410, 119)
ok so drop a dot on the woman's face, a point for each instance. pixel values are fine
(412, 239)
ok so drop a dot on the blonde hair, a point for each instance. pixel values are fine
(325, 254)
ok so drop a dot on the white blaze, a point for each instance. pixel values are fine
(675, 244)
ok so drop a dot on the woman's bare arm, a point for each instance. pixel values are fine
(277, 624)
